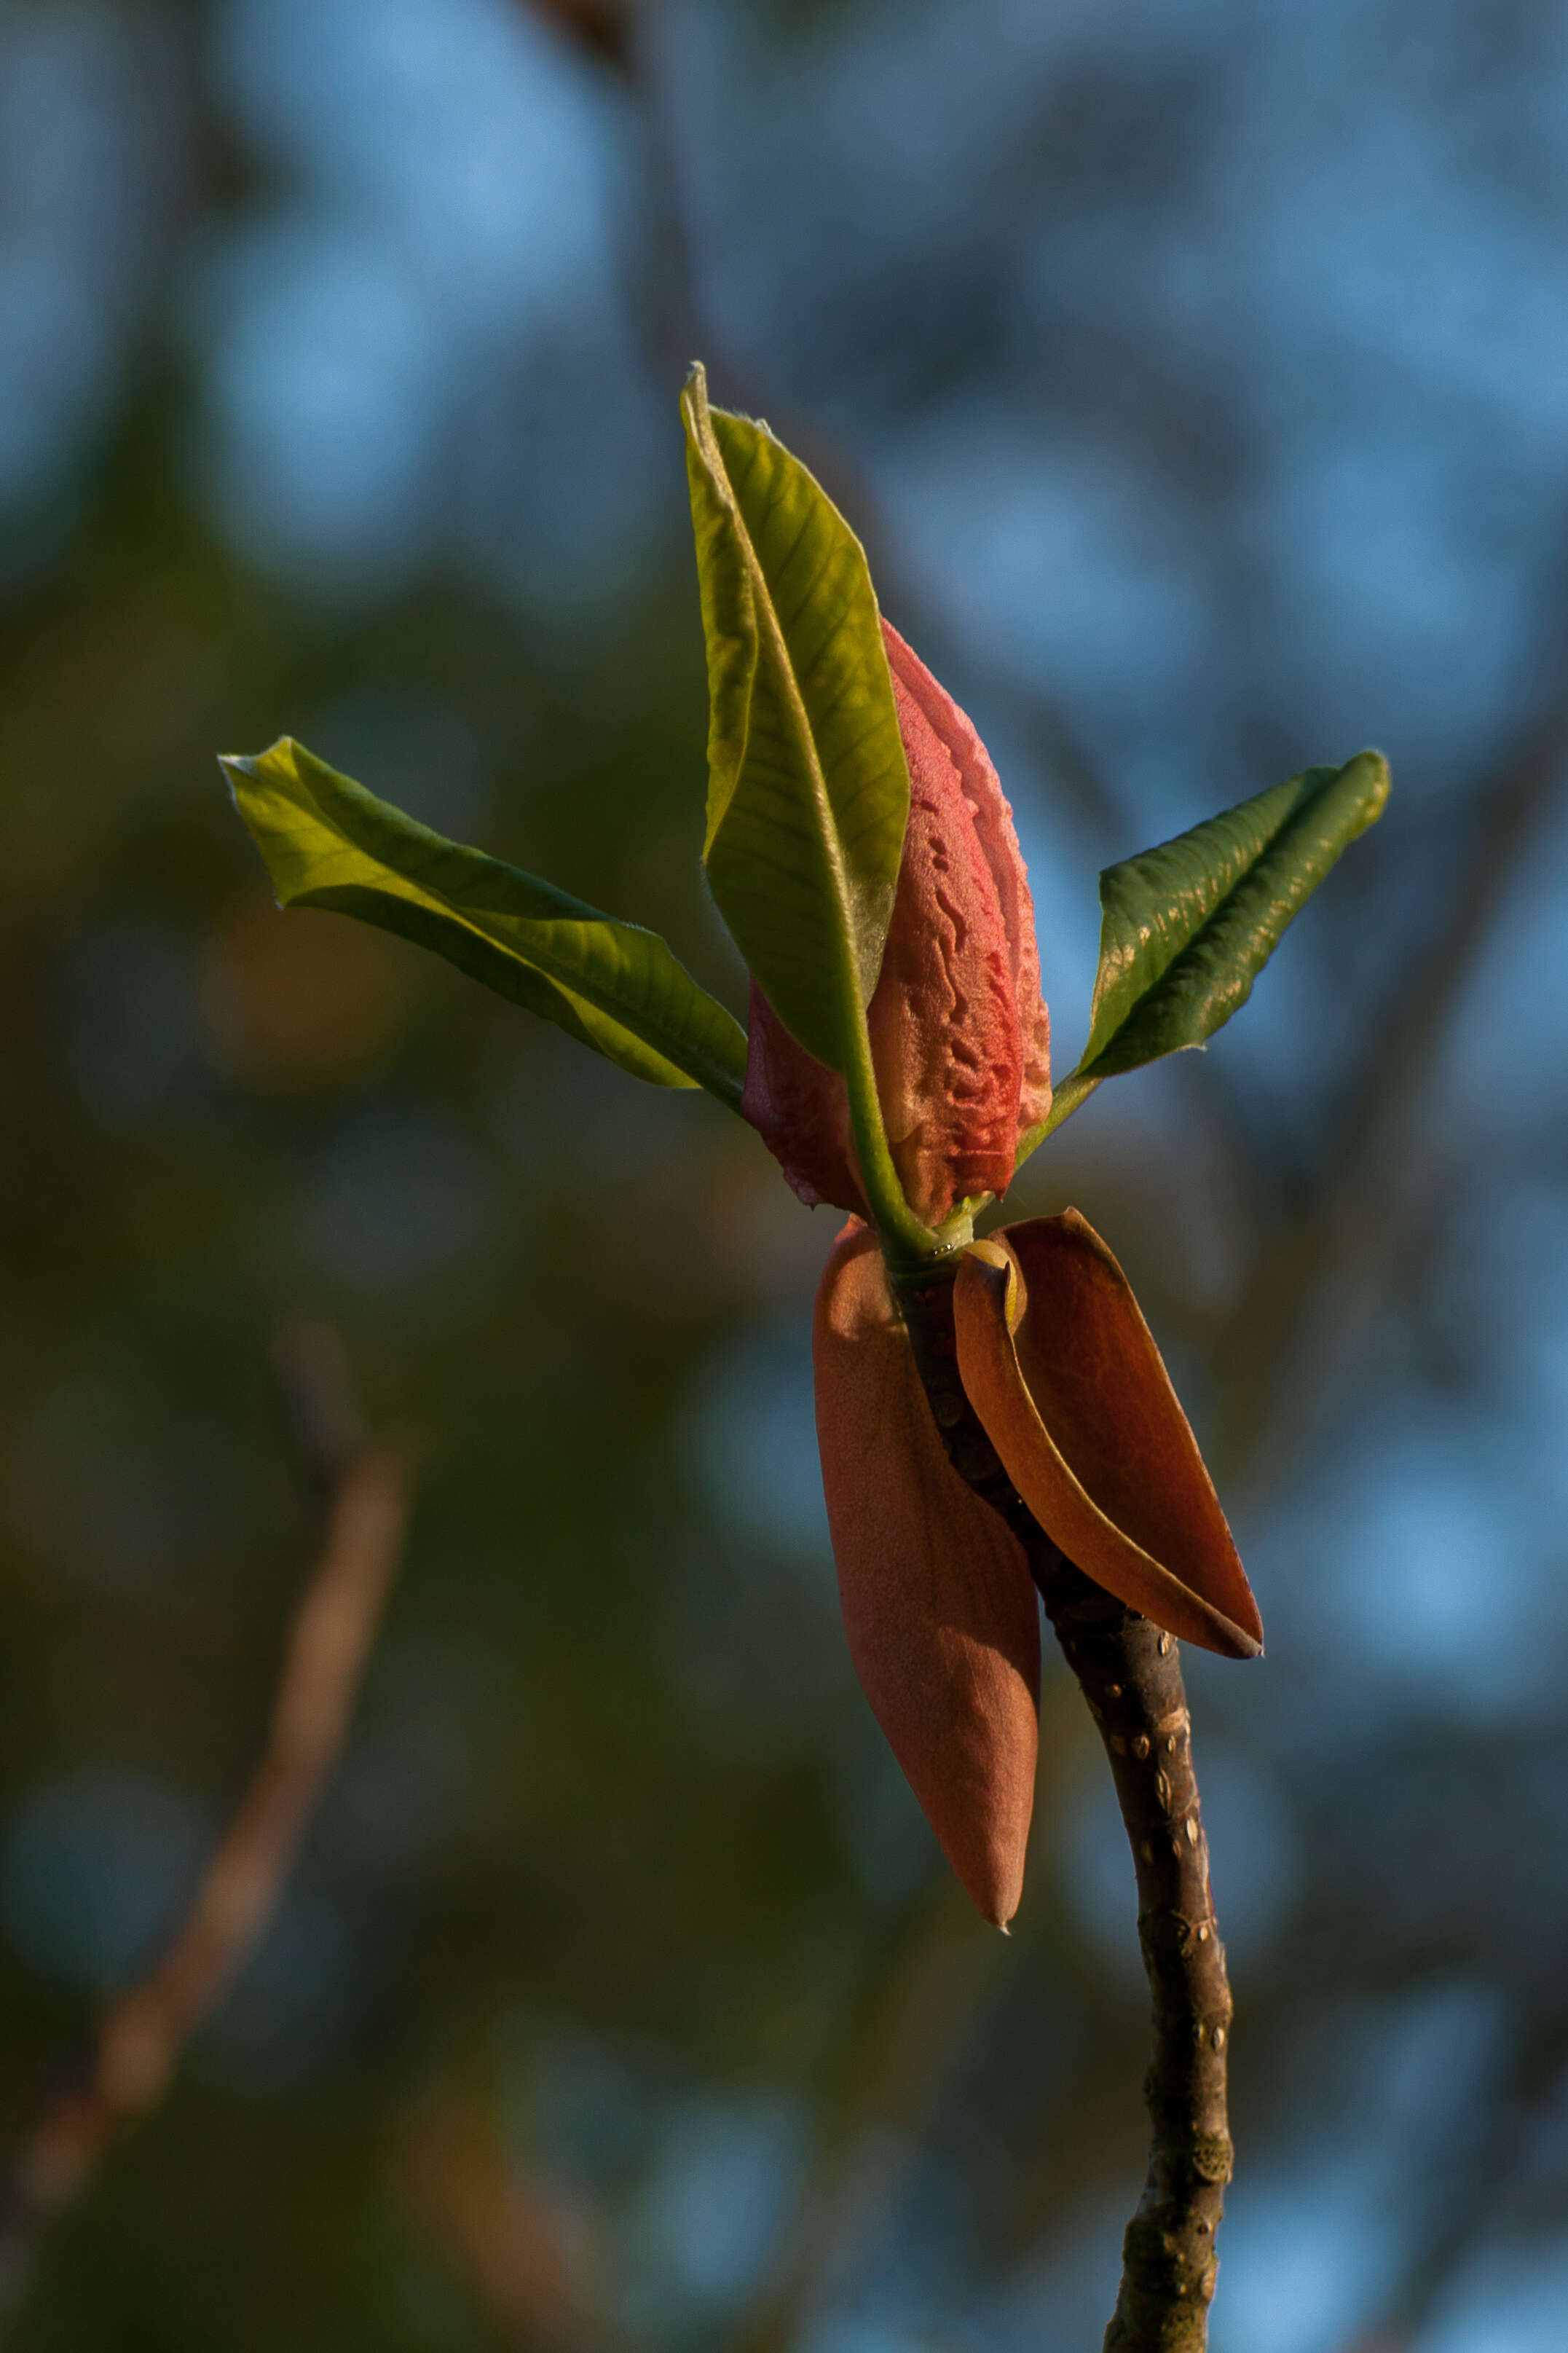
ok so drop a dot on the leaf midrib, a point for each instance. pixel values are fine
(762, 600)
(652, 1034)
(1190, 948)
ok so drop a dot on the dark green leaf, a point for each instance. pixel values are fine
(329, 843)
(1186, 928)
(808, 786)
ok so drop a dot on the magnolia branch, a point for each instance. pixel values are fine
(364, 1487)
(1131, 1675)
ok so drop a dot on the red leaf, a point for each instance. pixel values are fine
(1062, 1369)
(939, 1605)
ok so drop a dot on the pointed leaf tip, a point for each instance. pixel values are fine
(940, 1609)
(1187, 927)
(1069, 1385)
(328, 842)
(808, 787)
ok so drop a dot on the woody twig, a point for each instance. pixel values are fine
(1131, 1675)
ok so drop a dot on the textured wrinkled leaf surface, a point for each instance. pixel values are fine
(1186, 928)
(328, 842)
(808, 787)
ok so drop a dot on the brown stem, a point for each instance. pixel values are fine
(1131, 1675)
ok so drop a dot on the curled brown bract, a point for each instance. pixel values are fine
(1063, 1371)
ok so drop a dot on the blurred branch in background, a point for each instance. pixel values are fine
(663, 296)
(1359, 1212)
(1477, 2195)
(603, 27)
(525, 2250)
(363, 1489)
(901, 2038)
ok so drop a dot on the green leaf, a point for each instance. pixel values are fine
(327, 842)
(808, 787)
(1186, 928)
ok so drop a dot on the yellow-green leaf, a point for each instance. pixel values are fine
(808, 787)
(328, 842)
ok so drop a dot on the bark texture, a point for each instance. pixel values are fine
(1129, 1673)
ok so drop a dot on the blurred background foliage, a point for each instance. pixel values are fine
(1198, 377)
